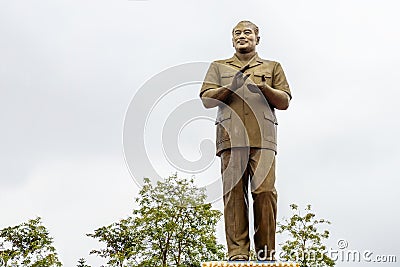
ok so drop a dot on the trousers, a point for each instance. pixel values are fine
(239, 167)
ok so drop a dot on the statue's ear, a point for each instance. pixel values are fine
(258, 39)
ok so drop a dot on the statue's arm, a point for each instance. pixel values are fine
(278, 95)
(277, 98)
(212, 94)
(213, 97)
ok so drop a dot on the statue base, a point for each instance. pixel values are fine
(248, 264)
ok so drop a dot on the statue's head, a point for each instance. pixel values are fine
(245, 37)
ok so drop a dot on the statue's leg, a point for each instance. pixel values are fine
(236, 206)
(262, 175)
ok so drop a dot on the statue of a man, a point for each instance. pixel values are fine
(247, 90)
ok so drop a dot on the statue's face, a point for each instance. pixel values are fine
(244, 38)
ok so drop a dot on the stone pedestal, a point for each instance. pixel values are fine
(248, 264)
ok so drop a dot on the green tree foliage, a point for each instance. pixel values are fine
(305, 239)
(173, 226)
(179, 227)
(123, 244)
(29, 245)
(82, 263)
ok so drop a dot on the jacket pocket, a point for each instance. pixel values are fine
(226, 78)
(258, 77)
(223, 122)
(269, 127)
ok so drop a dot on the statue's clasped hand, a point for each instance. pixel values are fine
(240, 78)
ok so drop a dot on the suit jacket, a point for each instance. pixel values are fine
(245, 118)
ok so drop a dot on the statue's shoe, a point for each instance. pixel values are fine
(239, 258)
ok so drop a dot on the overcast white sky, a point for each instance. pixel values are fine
(69, 69)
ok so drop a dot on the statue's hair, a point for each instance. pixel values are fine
(255, 28)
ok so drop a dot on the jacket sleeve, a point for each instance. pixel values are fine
(279, 80)
(211, 81)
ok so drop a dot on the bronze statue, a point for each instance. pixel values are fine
(247, 90)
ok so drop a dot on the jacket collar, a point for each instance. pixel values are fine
(234, 61)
